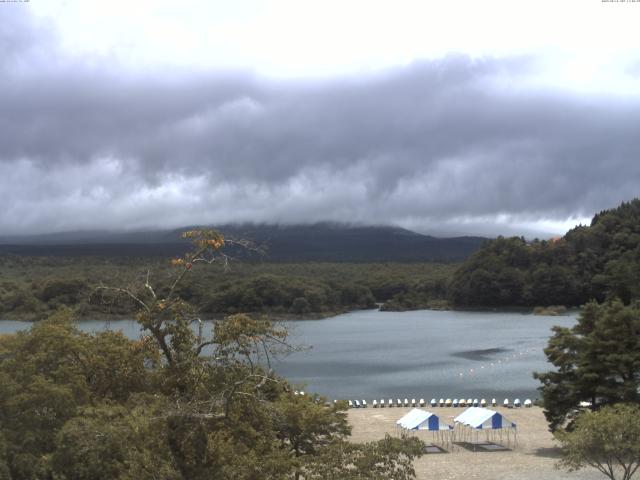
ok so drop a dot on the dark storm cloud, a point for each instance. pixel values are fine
(455, 142)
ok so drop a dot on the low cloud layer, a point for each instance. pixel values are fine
(456, 145)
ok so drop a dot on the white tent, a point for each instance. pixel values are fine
(477, 419)
(418, 419)
(421, 420)
(402, 422)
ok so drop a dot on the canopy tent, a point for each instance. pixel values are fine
(477, 419)
(420, 420)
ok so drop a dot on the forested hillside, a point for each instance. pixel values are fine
(599, 261)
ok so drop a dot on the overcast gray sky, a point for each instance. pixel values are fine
(496, 117)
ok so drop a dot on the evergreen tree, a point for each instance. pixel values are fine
(597, 361)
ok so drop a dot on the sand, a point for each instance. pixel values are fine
(533, 458)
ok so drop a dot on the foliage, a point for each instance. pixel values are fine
(280, 289)
(608, 440)
(387, 458)
(551, 310)
(597, 361)
(600, 261)
(180, 403)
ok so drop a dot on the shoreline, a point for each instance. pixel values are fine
(286, 317)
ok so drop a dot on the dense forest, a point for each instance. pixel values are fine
(33, 287)
(593, 262)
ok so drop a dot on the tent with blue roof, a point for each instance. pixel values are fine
(421, 420)
(477, 419)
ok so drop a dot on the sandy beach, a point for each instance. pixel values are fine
(533, 458)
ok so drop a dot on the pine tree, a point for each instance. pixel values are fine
(597, 361)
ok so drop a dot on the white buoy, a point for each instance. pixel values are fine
(483, 403)
(433, 402)
(413, 402)
(422, 403)
(448, 402)
(475, 402)
(374, 404)
(527, 403)
(506, 402)
(516, 403)
(441, 402)
(494, 402)
(455, 402)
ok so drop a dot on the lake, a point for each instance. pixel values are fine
(420, 354)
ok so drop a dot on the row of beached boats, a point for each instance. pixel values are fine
(454, 403)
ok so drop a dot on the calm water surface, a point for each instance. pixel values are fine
(372, 354)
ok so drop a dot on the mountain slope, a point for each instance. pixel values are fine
(313, 242)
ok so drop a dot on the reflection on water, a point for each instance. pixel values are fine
(372, 354)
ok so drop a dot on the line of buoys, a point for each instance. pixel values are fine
(500, 362)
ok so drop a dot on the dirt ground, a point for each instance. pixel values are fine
(534, 457)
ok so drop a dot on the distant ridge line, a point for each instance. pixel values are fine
(312, 242)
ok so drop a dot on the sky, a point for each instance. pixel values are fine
(469, 117)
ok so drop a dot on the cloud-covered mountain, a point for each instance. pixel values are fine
(312, 242)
